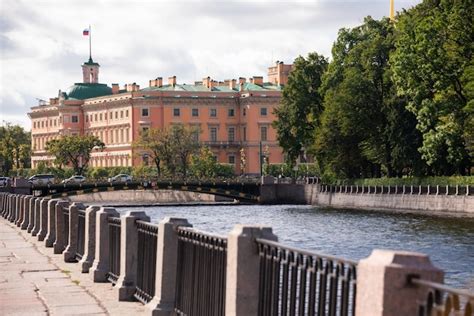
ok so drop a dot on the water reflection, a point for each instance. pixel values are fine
(449, 241)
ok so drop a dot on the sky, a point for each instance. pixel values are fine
(42, 46)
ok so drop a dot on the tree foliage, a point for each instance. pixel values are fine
(433, 67)
(301, 105)
(74, 150)
(15, 148)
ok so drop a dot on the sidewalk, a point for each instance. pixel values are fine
(34, 281)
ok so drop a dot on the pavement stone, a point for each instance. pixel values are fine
(34, 281)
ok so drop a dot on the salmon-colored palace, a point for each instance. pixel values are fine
(233, 116)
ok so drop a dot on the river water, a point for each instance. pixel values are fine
(352, 234)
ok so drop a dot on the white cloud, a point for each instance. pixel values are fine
(42, 46)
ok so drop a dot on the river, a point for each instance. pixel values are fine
(352, 234)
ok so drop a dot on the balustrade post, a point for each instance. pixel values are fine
(243, 269)
(71, 249)
(43, 219)
(100, 265)
(129, 254)
(60, 241)
(382, 282)
(166, 266)
(10, 207)
(457, 189)
(26, 212)
(31, 220)
(19, 210)
(89, 238)
(51, 235)
(36, 224)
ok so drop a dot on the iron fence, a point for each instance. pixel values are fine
(299, 282)
(81, 234)
(146, 267)
(443, 300)
(399, 189)
(114, 248)
(66, 225)
(201, 275)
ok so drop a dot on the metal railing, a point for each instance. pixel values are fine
(66, 225)
(146, 266)
(114, 248)
(398, 189)
(201, 273)
(443, 300)
(81, 234)
(300, 282)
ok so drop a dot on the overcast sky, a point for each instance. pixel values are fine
(42, 46)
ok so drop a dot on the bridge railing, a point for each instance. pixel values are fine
(201, 273)
(81, 233)
(246, 272)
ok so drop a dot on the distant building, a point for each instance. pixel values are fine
(233, 116)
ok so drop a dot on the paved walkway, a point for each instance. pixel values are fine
(34, 281)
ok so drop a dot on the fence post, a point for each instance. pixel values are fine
(31, 221)
(10, 207)
(89, 239)
(43, 219)
(26, 212)
(243, 269)
(100, 265)
(51, 235)
(129, 254)
(19, 204)
(71, 249)
(382, 282)
(36, 224)
(60, 242)
(166, 265)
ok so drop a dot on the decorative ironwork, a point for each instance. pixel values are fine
(300, 282)
(146, 268)
(114, 248)
(443, 300)
(81, 234)
(201, 275)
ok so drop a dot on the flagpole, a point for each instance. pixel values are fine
(90, 43)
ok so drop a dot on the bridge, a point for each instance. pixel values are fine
(248, 192)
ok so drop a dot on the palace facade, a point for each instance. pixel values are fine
(234, 116)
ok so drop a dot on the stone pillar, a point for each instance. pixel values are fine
(31, 221)
(100, 265)
(89, 243)
(19, 208)
(43, 219)
(10, 207)
(71, 249)
(60, 241)
(382, 282)
(36, 224)
(51, 235)
(166, 266)
(243, 268)
(129, 254)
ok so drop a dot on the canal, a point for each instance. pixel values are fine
(448, 240)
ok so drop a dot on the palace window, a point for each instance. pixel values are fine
(105, 116)
(126, 113)
(231, 113)
(231, 134)
(95, 117)
(231, 159)
(121, 114)
(100, 117)
(213, 112)
(244, 112)
(213, 134)
(145, 112)
(263, 111)
(263, 133)
(74, 119)
(87, 119)
(176, 112)
(244, 132)
(116, 114)
(195, 112)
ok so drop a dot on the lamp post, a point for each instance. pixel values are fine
(261, 160)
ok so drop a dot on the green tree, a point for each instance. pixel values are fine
(15, 148)
(74, 150)
(301, 105)
(203, 164)
(184, 144)
(432, 68)
(156, 144)
(365, 129)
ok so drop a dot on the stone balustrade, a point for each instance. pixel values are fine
(174, 268)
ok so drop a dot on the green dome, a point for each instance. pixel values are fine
(81, 91)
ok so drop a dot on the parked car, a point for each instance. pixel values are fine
(120, 178)
(74, 179)
(39, 179)
(4, 181)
